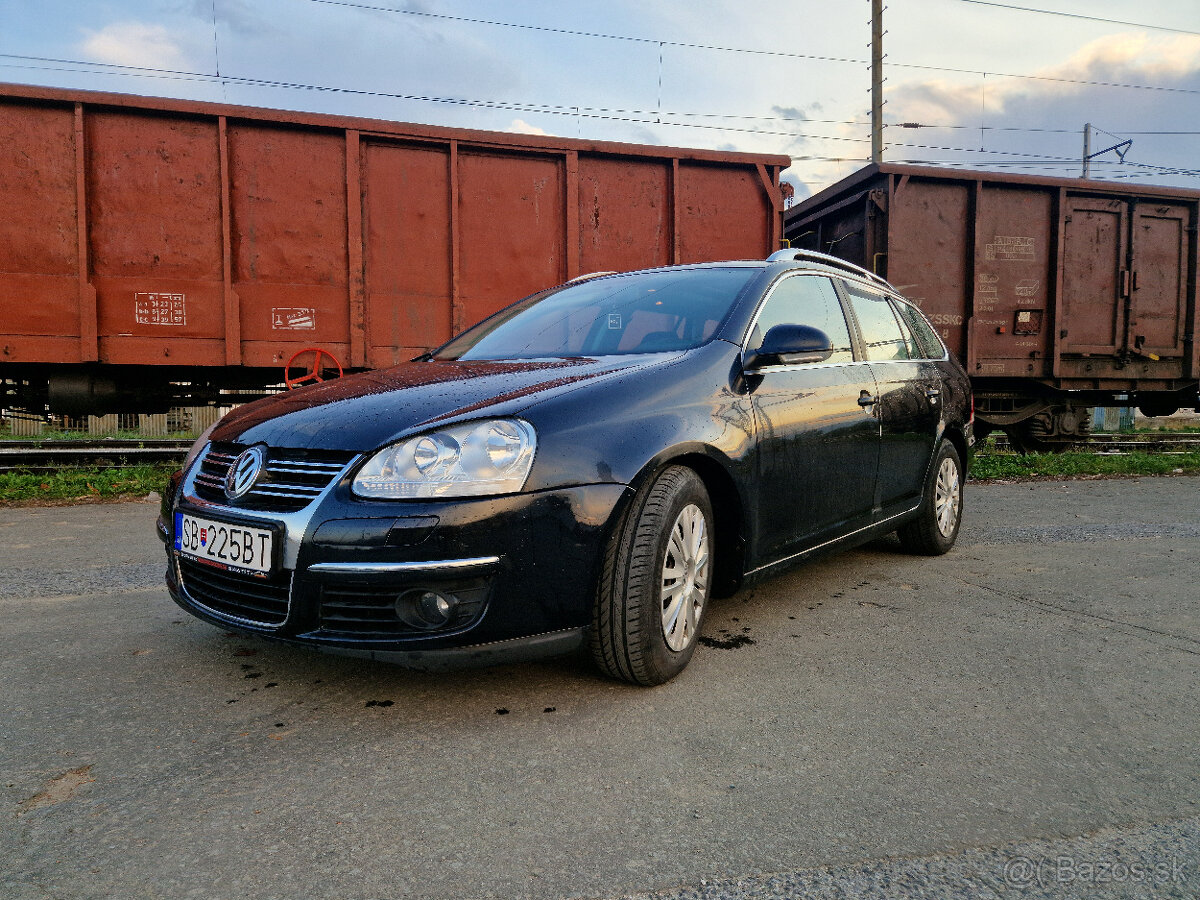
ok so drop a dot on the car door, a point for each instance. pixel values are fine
(909, 398)
(817, 446)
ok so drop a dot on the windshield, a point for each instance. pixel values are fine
(642, 312)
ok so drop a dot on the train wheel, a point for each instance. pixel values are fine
(1154, 409)
(1023, 441)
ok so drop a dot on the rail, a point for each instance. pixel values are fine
(1148, 442)
(49, 456)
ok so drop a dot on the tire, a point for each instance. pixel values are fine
(656, 581)
(935, 529)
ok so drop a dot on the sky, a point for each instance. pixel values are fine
(1005, 86)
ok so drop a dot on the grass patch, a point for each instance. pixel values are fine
(84, 436)
(82, 484)
(1075, 465)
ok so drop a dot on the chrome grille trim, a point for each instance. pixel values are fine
(295, 520)
(288, 490)
(289, 481)
(303, 466)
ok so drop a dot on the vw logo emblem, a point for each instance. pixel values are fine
(244, 472)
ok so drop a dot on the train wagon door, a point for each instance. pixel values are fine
(1092, 318)
(1125, 280)
(1159, 279)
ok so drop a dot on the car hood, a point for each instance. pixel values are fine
(365, 411)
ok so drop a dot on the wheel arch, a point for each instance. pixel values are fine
(956, 437)
(729, 510)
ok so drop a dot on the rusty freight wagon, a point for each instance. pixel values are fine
(1056, 294)
(159, 251)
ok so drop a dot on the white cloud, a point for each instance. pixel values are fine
(136, 44)
(1118, 58)
(1155, 59)
(520, 126)
(1035, 124)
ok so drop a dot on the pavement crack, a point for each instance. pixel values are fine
(1136, 630)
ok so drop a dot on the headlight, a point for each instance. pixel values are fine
(198, 446)
(493, 456)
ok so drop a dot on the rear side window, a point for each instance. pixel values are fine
(806, 300)
(877, 322)
(915, 350)
(931, 344)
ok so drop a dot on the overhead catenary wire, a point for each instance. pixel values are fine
(588, 34)
(645, 117)
(1072, 15)
(353, 4)
(709, 121)
(1027, 160)
(1020, 129)
(84, 67)
(593, 111)
(608, 113)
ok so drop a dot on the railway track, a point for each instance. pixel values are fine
(50, 456)
(1147, 442)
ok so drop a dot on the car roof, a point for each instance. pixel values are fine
(805, 260)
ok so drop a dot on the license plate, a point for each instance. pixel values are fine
(238, 548)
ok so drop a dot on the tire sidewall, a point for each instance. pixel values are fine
(944, 543)
(664, 662)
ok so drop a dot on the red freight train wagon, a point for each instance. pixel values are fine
(1056, 294)
(155, 251)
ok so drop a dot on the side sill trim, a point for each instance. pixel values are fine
(433, 565)
(843, 537)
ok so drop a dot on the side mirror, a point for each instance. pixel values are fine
(790, 345)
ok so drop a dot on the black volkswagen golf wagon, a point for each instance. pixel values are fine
(588, 467)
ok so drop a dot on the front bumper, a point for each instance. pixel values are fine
(523, 568)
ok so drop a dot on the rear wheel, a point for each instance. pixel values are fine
(935, 529)
(656, 582)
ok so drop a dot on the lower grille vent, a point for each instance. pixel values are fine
(261, 601)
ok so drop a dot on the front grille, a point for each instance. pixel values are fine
(366, 610)
(290, 480)
(262, 601)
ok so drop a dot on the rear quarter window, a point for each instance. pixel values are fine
(878, 325)
(931, 345)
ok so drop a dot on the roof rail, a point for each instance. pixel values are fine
(791, 253)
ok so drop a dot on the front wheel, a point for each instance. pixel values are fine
(656, 581)
(935, 529)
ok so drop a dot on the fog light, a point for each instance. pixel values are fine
(426, 609)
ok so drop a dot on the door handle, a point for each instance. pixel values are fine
(865, 399)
